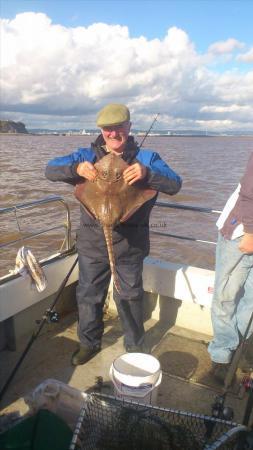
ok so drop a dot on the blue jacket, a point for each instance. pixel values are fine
(131, 239)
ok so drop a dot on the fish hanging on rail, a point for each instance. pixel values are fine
(26, 263)
(110, 200)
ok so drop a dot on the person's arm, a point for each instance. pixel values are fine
(67, 168)
(158, 175)
(246, 202)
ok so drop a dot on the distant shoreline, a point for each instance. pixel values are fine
(135, 135)
(14, 134)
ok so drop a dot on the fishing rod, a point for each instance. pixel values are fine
(150, 128)
(49, 316)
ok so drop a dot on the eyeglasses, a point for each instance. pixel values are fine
(120, 128)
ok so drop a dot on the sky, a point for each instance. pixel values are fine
(189, 61)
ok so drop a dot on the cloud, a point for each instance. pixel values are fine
(246, 57)
(57, 75)
(234, 112)
(227, 46)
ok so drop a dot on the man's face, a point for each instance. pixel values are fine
(115, 136)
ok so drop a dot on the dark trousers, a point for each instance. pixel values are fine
(94, 280)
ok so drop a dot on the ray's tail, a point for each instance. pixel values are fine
(109, 243)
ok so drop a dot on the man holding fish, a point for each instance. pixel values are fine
(143, 171)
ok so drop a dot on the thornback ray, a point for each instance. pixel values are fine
(111, 201)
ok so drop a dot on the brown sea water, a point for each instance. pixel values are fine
(211, 168)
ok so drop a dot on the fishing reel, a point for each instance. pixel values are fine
(52, 316)
(220, 411)
(49, 317)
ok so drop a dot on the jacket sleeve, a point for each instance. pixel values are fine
(63, 168)
(159, 175)
(246, 197)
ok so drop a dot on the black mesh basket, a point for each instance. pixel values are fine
(107, 423)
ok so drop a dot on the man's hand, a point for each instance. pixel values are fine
(134, 173)
(87, 170)
(246, 243)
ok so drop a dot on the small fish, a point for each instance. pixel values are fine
(26, 263)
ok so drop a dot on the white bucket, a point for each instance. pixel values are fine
(136, 376)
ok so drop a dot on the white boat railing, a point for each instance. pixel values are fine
(35, 204)
(67, 224)
(186, 208)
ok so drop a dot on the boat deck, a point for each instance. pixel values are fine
(186, 384)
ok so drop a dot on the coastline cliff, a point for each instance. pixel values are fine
(8, 126)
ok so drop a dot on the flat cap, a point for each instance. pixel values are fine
(112, 114)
